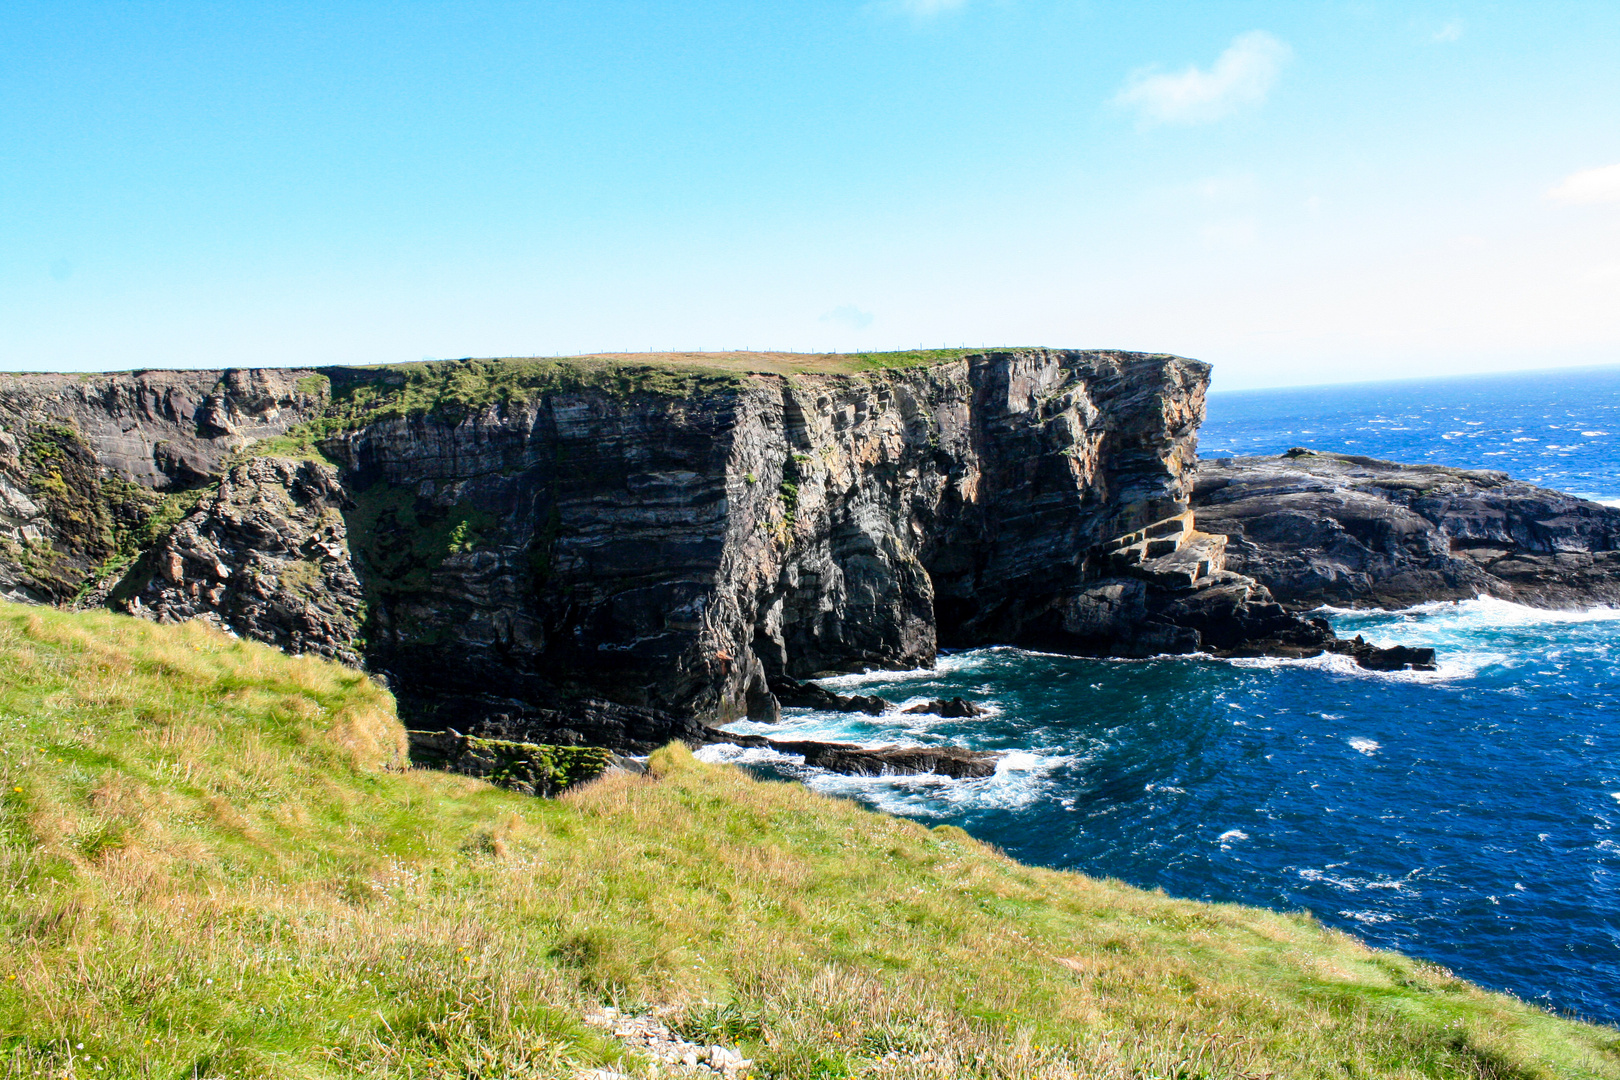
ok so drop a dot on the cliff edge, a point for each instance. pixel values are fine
(614, 551)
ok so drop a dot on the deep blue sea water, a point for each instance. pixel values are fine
(1470, 815)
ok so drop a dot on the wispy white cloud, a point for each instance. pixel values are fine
(1451, 31)
(925, 9)
(850, 315)
(1599, 185)
(1242, 75)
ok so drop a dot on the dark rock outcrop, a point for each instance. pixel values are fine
(631, 729)
(266, 556)
(852, 760)
(953, 709)
(525, 767)
(1352, 531)
(808, 695)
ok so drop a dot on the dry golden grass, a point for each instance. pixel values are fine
(214, 866)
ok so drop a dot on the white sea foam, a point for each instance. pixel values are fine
(1368, 917)
(967, 662)
(1447, 669)
(1230, 836)
(1366, 746)
(1021, 776)
(1483, 612)
(1357, 884)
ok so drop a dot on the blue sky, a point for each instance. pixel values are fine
(1296, 192)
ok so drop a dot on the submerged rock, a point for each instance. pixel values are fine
(1394, 658)
(953, 709)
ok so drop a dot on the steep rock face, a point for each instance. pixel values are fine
(1357, 532)
(88, 461)
(266, 556)
(678, 553)
(163, 429)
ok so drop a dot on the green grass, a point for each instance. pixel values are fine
(356, 396)
(455, 388)
(214, 865)
(352, 397)
(297, 445)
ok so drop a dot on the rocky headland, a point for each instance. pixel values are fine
(1350, 531)
(618, 552)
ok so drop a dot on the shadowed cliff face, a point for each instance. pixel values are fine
(667, 551)
(677, 553)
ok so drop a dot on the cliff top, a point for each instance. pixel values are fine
(792, 363)
(735, 362)
(212, 872)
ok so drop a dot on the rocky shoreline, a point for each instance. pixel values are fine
(593, 554)
(1349, 531)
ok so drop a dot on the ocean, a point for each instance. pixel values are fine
(1469, 815)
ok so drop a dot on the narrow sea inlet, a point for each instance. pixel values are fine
(1469, 815)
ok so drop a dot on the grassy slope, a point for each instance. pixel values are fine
(210, 869)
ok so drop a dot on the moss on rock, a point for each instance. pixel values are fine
(530, 768)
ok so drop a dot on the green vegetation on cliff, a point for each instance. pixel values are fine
(455, 388)
(214, 865)
(356, 396)
(100, 521)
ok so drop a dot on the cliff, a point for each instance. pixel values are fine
(1352, 531)
(614, 552)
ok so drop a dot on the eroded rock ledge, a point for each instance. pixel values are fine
(1351, 531)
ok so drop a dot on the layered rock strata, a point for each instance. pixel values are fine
(1339, 529)
(571, 554)
(265, 555)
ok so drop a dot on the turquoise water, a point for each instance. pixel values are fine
(1469, 815)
